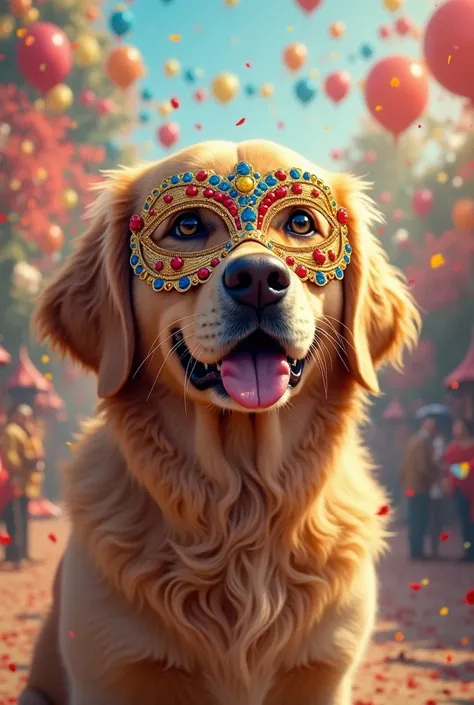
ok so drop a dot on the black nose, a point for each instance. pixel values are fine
(256, 280)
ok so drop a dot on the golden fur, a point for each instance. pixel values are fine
(218, 557)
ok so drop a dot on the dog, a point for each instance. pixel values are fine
(225, 523)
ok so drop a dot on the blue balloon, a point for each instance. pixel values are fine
(250, 90)
(144, 117)
(146, 94)
(366, 51)
(112, 150)
(121, 22)
(190, 75)
(305, 90)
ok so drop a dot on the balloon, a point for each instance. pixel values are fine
(403, 25)
(190, 75)
(70, 198)
(450, 33)
(396, 108)
(337, 30)
(385, 32)
(168, 134)
(366, 51)
(59, 98)
(19, 7)
(146, 94)
(337, 85)
(385, 197)
(370, 157)
(295, 56)
(144, 117)
(200, 95)
(92, 13)
(44, 56)
(172, 67)
(305, 90)
(164, 109)
(87, 98)
(31, 16)
(104, 106)
(267, 90)
(393, 5)
(112, 150)
(422, 202)
(124, 66)
(309, 5)
(52, 240)
(121, 22)
(231, 3)
(225, 86)
(87, 51)
(463, 214)
(7, 24)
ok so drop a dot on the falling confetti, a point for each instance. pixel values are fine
(248, 65)
(240, 122)
(52, 537)
(399, 636)
(436, 261)
(444, 536)
(395, 82)
(425, 582)
(72, 634)
(174, 37)
(378, 108)
(444, 611)
(384, 510)
(174, 103)
(469, 598)
(415, 587)
(45, 359)
(449, 59)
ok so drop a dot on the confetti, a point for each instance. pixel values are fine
(464, 641)
(409, 493)
(5, 539)
(248, 65)
(395, 82)
(399, 636)
(444, 536)
(21, 32)
(240, 122)
(174, 37)
(466, 544)
(469, 598)
(72, 446)
(449, 59)
(72, 634)
(30, 40)
(378, 108)
(174, 103)
(444, 611)
(436, 261)
(415, 587)
(45, 359)
(384, 510)
(49, 376)
(12, 667)
(425, 582)
(198, 126)
(52, 538)
(290, 28)
(442, 177)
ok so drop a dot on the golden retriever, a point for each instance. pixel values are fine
(223, 539)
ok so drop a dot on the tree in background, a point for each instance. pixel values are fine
(429, 234)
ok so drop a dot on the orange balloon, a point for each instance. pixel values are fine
(19, 7)
(52, 240)
(463, 214)
(295, 56)
(124, 66)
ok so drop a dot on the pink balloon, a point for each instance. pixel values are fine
(385, 32)
(168, 134)
(87, 98)
(450, 33)
(385, 197)
(337, 85)
(44, 56)
(403, 25)
(396, 105)
(309, 5)
(398, 215)
(200, 95)
(422, 202)
(370, 157)
(104, 106)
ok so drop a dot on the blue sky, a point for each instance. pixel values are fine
(216, 38)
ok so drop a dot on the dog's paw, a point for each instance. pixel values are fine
(32, 697)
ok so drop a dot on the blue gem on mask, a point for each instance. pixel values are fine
(155, 192)
(243, 201)
(321, 279)
(146, 206)
(252, 200)
(248, 215)
(134, 259)
(228, 246)
(262, 186)
(184, 283)
(306, 176)
(230, 176)
(175, 179)
(339, 273)
(187, 177)
(164, 184)
(133, 245)
(257, 175)
(233, 193)
(257, 192)
(158, 284)
(214, 180)
(348, 248)
(139, 269)
(271, 181)
(243, 169)
(347, 259)
(249, 227)
(224, 186)
(295, 173)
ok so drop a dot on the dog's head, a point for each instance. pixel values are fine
(253, 322)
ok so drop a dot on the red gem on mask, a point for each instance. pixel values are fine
(315, 193)
(218, 196)
(167, 198)
(233, 210)
(281, 192)
(271, 198)
(176, 263)
(192, 191)
(208, 193)
(203, 274)
(215, 261)
(319, 257)
(301, 271)
(227, 202)
(281, 176)
(297, 188)
(158, 266)
(152, 211)
(238, 224)
(332, 255)
(290, 261)
(263, 207)
(136, 223)
(342, 216)
(201, 175)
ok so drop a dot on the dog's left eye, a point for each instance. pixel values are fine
(188, 225)
(300, 224)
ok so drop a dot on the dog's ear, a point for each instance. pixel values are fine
(379, 311)
(85, 311)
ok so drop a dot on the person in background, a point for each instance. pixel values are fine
(419, 471)
(23, 454)
(461, 451)
(437, 497)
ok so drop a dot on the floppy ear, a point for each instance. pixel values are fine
(379, 310)
(85, 311)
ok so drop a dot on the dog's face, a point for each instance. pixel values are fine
(254, 335)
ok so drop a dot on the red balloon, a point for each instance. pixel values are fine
(44, 56)
(309, 5)
(422, 202)
(450, 33)
(168, 134)
(396, 92)
(337, 85)
(385, 32)
(403, 25)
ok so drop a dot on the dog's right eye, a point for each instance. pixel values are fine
(188, 225)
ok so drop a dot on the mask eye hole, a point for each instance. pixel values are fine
(188, 225)
(300, 224)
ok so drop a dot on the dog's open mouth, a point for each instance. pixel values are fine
(256, 373)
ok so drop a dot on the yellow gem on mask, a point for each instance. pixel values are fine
(245, 184)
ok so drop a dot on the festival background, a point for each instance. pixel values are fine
(382, 88)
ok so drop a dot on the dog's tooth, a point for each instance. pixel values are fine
(206, 366)
(219, 365)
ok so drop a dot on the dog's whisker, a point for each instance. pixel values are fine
(170, 352)
(339, 335)
(339, 323)
(157, 347)
(151, 352)
(188, 376)
(314, 352)
(322, 343)
(336, 345)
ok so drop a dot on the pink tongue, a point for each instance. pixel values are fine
(255, 382)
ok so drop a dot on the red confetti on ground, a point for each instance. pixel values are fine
(384, 510)
(415, 586)
(5, 539)
(444, 536)
(469, 598)
(72, 635)
(12, 667)
(52, 537)
(248, 65)
(240, 122)
(174, 103)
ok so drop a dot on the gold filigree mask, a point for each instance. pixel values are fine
(247, 202)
